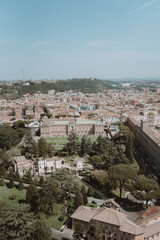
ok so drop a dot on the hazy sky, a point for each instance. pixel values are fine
(63, 39)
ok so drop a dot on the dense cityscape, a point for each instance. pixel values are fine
(80, 120)
(82, 165)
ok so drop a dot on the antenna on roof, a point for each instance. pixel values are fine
(23, 75)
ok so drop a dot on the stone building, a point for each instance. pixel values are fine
(52, 128)
(148, 137)
(113, 224)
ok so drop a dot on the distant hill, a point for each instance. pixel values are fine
(84, 85)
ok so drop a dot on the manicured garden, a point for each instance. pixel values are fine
(5, 193)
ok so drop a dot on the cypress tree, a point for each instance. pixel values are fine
(78, 201)
(41, 181)
(29, 177)
(31, 196)
(11, 183)
(2, 183)
(17, 176)
(2, 170)
(90, 192)
(20, 186)
(84, 194)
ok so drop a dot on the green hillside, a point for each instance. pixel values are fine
(84, 85)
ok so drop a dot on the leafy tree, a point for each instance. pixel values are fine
(79, 231)
(78, 201)
(96, 161)
(94, 231)
(8, 137)
(84, 194)
(122, 173)
(100, 178)
(146, 189)
(20, 124)
(66, 181)
(39, 231)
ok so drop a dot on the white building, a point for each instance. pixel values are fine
(78, 163)
(49, 164)
(22, 165)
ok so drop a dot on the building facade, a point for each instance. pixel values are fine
(113, 224)
(52, 128)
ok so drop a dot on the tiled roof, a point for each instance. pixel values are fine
(84, 213)
(109, 216)
(129, 227)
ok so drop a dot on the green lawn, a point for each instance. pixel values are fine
(93, 205)
(117, 192)
(53, 221)
(69, 159)
(57, 139)
(6, 192)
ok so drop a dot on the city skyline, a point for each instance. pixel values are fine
(61, 39)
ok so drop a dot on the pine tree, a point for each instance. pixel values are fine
(40, 231)
(14, 221)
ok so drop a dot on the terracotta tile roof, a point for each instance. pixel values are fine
(129, 227)
(84, 213)
(107, 215)
(151, 228)
(111, 216)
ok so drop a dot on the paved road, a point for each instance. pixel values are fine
(26, 185)
(98, 201)
(67, 233)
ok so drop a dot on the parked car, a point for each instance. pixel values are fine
(93, 201)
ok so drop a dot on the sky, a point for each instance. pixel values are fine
(61, 39)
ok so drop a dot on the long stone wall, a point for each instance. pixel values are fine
(147, 140)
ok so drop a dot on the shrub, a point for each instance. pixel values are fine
(61, 218)
(13, 197)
